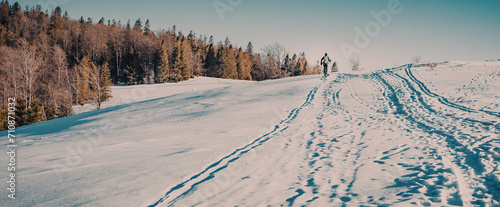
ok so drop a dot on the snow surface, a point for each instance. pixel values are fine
(404, 136)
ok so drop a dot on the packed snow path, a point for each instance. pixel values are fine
(375, 139)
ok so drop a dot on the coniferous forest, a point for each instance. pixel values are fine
(50, 62)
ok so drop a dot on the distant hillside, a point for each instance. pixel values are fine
(50, 62)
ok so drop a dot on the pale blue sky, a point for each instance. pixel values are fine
(435, 30)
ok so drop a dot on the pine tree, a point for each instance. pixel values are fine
(128, 25)
(179, 62)
(293, 66)
(21, 112)
(163, 69)
(211, 40)
(4, 13)
(57, 11)
(250, 48)
(3, 35)
(128, 75)
(83, 89)
(211, 61)
(15, 8)
(174, 30)
(104, 81)
(306, 69)
(138, 25)
(147, 28)
(55, 19)
(25, 116)
(186, 70)
(3, 119)
(287, 63)
(227, 63)
(50, 111)
(227, 42)
(258, 72)
(244, 65)
(132, 72)
(34, 113)
(317, 69)
(299, 67)
(101, 21)
(64, 110)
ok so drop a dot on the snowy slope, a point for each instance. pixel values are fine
(402, 136)
(146, 138)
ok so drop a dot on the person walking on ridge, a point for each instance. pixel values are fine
(325, 61)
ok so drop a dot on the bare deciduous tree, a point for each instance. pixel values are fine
(9, 74)
(117, 46)
(416, 59)
(278, 51)
(29, 66)
(62, 82)
(355, 63)
(99, 81)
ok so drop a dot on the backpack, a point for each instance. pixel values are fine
(326, 60)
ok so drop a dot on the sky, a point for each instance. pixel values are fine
(381, 33)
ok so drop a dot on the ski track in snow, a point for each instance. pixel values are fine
(327, 151)
(207, 174)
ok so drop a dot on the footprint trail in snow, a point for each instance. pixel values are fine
(375, 139)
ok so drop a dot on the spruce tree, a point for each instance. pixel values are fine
(244, 65)
(180, 68)
(138, 25)
(4, 13)
(186, 70)
(132, 73)
(21, 112)
(299, 67)
(129, 75)
(50, 111)
(101, 21)
(83, 89)
(211, 61)
(227, 63)
(293, 66)
(161, 74)
(104, 92)
(128, 25)
(317, 69)
(176, 63)
(34, 113)
(306, 69)
(57, 11)
(64, 110)
(227, 42)
(250, 48)
(3, 119)
(147, 28)
(287, 63)
(15, 8)
(258, 72)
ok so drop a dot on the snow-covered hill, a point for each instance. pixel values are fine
(402, 136)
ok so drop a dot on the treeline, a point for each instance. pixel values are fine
(50, 62)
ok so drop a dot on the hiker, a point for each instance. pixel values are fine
(325, 61)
